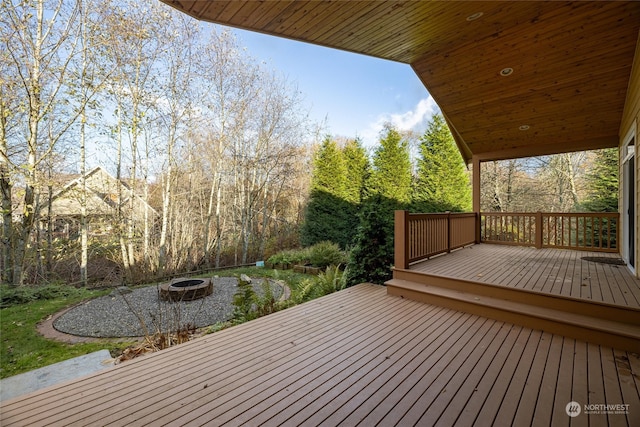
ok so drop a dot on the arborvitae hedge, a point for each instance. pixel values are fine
(442, 183)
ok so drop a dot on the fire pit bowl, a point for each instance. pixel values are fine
(184, 289)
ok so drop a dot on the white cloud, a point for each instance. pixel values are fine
(415, 119)
(418, 116)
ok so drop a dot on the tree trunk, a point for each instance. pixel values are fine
(166, 200)
(207, 246)
(84, 227)
(119, 214)
(29, 209)
(572, 182)
(6, 272)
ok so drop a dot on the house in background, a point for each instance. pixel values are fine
(101, 206)
(525, 332)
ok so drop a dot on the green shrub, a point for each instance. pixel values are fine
(243, 302)
(372, 256)
(291, 256)
(326, 253)
(331, 280)
(249, 304)
(327, 282)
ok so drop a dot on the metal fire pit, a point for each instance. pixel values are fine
(184, 289)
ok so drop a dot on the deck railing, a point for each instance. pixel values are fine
(580, 231)
(420, 236)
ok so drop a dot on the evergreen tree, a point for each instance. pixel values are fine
(602, 182)
(329, 215)
(442, 183)
(391, 175)
(372, 256)
(329, 169)
(389, 188)
(358, 170)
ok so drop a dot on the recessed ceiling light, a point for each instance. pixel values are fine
(474, 16)
(524, 127)
(506, 72)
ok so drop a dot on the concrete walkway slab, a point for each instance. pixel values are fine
(58, 372)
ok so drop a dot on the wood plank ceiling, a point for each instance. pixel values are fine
(571, 61)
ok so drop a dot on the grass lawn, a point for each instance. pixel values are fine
(24, 349)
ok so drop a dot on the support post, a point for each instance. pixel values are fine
(539, 230)
(448, 232)
(475, 189)
(401, 239)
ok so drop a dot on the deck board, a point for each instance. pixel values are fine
(531, 390)
(518, 383)
(564, 382)
(383, 381)
(458, 406)
(552, 271)
(356, 357)
(579, 392)
(594, 379)
(433, 382)
(492, 405)
(462, 382)
(549, 381)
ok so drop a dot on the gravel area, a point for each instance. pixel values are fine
(122, 315)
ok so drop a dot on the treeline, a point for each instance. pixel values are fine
(215, 144)
(568, 182)
(353, 195)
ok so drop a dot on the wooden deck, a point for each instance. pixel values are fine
(356, 357)
(552, 271)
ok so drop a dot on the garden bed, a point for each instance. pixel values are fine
(307, 269)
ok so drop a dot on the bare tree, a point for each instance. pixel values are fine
(230, 83)
(135, 38)
(8, 110)
(548, 183)
(91, 76)
(41, 46)
(175, 106)
(561, 175)
(222, 136)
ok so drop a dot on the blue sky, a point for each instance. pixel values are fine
(356, 94)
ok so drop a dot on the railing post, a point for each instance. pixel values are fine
(448, 231)
(478, 229)
(538, 230)
(618, 245)
(401, 239)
